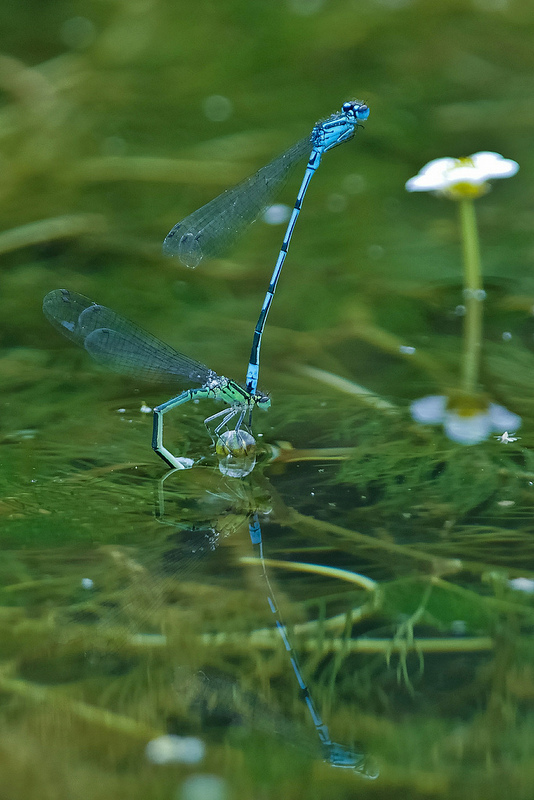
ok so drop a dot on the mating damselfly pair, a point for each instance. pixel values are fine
(124, 347)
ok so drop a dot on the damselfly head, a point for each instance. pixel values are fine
(355, 110)
(262, 400)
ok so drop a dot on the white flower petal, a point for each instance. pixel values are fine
(507, 168)
(431, 177)
(438, 166)
(467, 430)
(442, 173)
(486, 159)
(465, 174)
(421, 183)
(493, 165)
(429, 410)
(502, 419)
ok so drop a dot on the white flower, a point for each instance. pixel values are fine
(466, 420)
(462, 177)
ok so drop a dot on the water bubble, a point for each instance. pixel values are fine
(237, 453)
(474, 294)
(459, 627)
(336, 203)
(393, 4)
(203, 787)
(375, 251)
(113, 146)
(217, 108)
(77, 33)
(354, 184)
(522, 585)
(305, 8)
(276, 214)
(171, 749)
(491, 5)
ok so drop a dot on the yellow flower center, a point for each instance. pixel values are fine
(462, 190)
(467, 406)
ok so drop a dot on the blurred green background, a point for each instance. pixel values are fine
(125, 117)
(117, 119)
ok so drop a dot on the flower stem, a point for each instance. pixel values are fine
(473, 296)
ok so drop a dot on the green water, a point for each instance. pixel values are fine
(129, 606)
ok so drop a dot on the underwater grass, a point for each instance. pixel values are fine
(104, 147)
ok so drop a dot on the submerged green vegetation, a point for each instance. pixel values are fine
(133, 605)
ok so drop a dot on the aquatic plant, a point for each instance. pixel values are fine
(468, 417)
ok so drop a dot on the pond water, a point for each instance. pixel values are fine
(352, 615)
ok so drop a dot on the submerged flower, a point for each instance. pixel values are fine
(458, 178)
(465, 419)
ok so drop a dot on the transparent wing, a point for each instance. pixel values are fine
(117, 343)
(210, 230)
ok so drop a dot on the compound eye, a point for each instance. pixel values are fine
(355, 110)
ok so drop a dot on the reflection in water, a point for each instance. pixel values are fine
(333, 753)
(164, 641)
